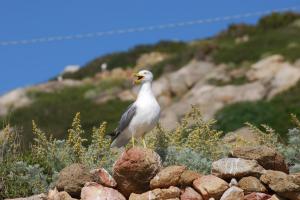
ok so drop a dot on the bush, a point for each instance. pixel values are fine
(277, 20)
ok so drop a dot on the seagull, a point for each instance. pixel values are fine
(141, 116)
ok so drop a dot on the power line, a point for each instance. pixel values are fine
(141, 29)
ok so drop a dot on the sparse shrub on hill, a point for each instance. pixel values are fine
(277, 20)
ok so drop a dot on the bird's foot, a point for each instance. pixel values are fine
(144, 142)
(132, 140)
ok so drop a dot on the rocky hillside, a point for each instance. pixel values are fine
(246, 73)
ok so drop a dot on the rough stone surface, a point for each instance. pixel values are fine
(251, 184)
(257, 196)
(55, 195)
(210, 186)
(187, 178)
(72, 178)
(265, 156)
(280, 182)
(190, 194)
(228, 168)
(167, 177)
(134, 170)
(103, 177)
(233, 193)
(95, 191)
(241, 136)
(158, 194)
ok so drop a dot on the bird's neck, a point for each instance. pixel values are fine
(145, 90)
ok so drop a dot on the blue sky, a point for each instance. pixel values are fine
(22, 65)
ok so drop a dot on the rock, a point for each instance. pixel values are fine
(134, 170)
(14, 99)
(257, 196)
(158, 194)
(210, 186)
(183, 79)
(266, 68)
(241, 137)
(187, 178)
(265, 156)
(283, 184)
(233, 193)
(190, 194)
(95, 191)
(34, 197)
(233, 182)
(72, 178)
(280, 182)
(167, 177)
(55, 195)
(251, 184)
(103, 177)
(228, 168)
(210, 99)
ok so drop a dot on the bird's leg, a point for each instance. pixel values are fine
(144, 143)
(132, 140)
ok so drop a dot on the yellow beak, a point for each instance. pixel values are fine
(139, 78)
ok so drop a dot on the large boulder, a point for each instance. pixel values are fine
(174, 176)
(251, 184)
(167, 177)
(72, 178)
(265, 156)
(233, 193)
(134, 170)
(95, 191)
(228, 168)
(158, 194)
(190, 194)
(283, 184)
(210, 186)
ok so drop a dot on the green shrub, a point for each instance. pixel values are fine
(277, 20)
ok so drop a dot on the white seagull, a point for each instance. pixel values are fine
(141, 116)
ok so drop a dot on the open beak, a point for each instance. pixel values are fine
(139, 78)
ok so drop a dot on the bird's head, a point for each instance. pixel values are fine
(143, 76)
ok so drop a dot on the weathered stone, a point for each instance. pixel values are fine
(233, 193)
(236, 168)
(210, 186)
(190, 194)
(95, 191)
(280, 182)
(134, 170)
(257, 196)
(72, 178)
(158, 194)
(265, 156)
(55, 195)
(187, 178)
(103, 177)
(251, 184)
(167, 177)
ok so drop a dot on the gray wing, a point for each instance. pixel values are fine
(125, 120)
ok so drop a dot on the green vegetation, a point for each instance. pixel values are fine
(53, 111)
(272, 112)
